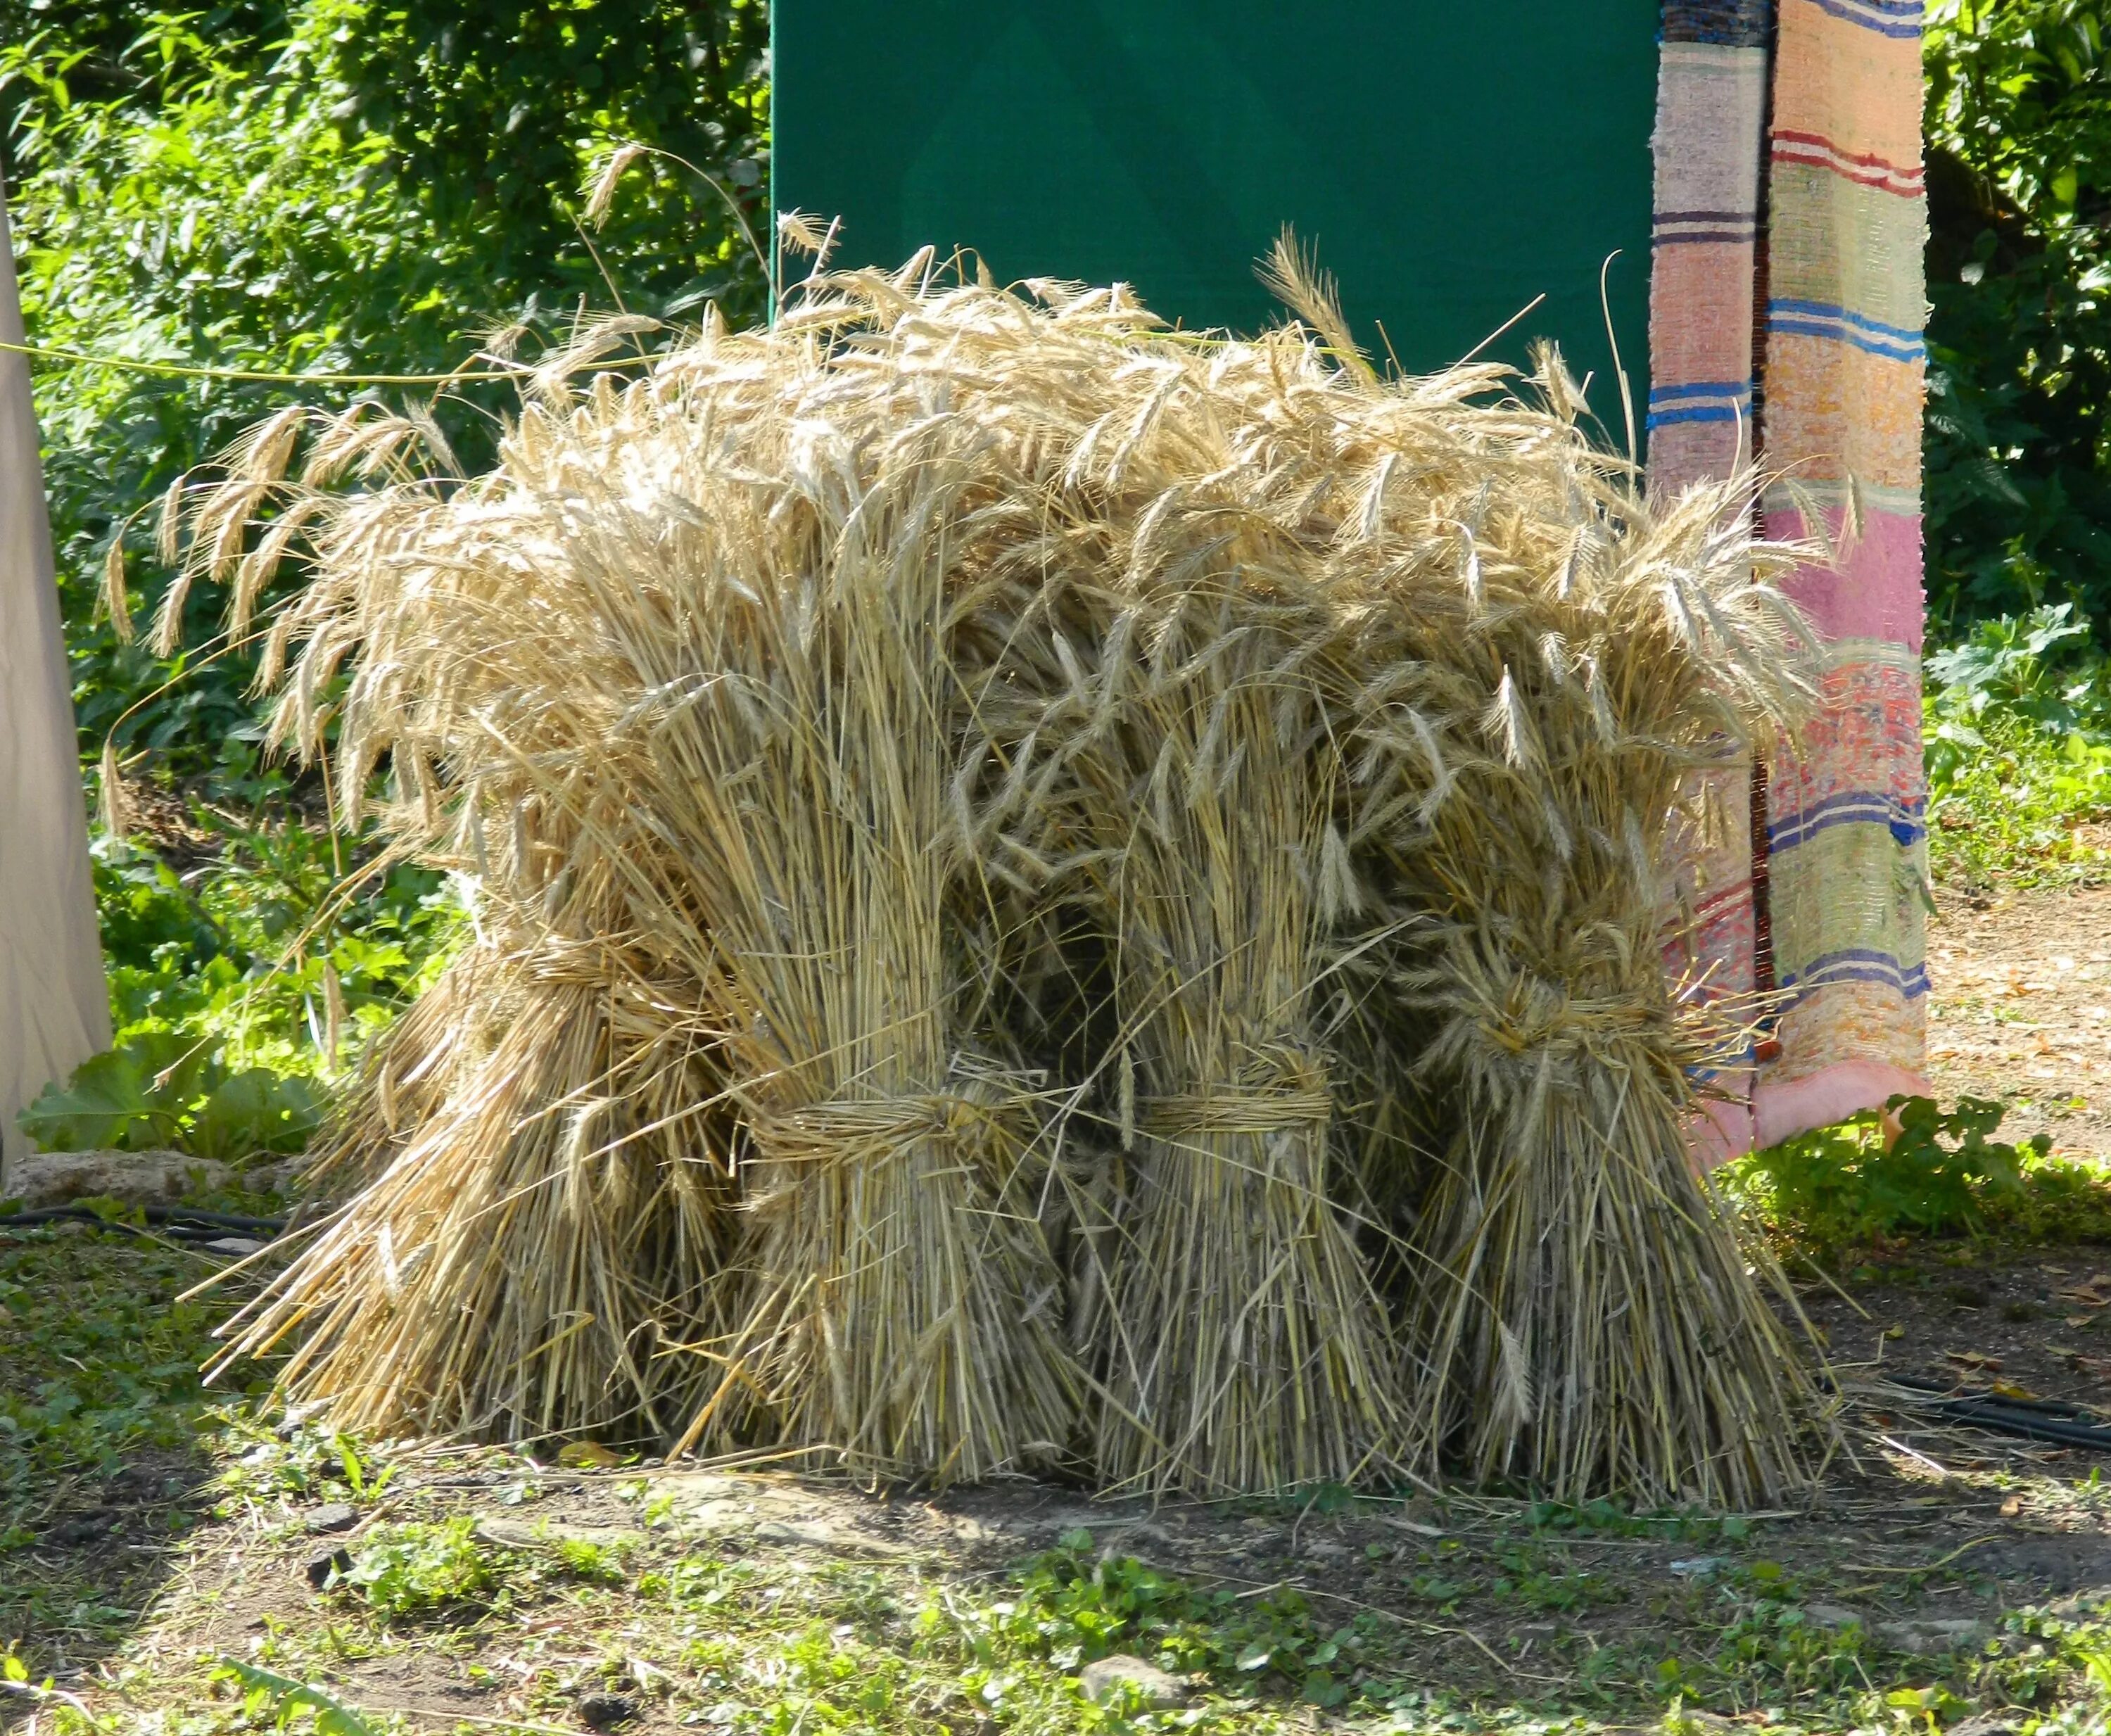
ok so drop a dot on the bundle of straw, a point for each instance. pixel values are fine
(1242, 1346)
(550, 1229)
(840, 718)
(1583, 1316)
(688, 652)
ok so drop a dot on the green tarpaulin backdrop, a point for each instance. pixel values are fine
(1449, 161)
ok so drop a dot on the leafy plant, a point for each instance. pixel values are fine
(1941, 1173)
(306, 1458)
(240, 991)
(415, 1569)
(2019, 748)
(160, 1090)
(2042, 667)
(1072, 1608)
(265, 1691)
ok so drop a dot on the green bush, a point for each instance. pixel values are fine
(2018, 466)
(2019, 746)
(1944, 1174)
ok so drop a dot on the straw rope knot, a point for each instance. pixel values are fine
(982, 1117)
(1278, 1091)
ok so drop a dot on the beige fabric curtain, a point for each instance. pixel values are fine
(54, 1008)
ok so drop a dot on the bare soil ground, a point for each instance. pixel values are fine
(1909, 1567)
(2022, 1010)
(1933, 1562)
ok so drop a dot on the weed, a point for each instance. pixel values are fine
(583, 1559)
(1071, 1609)
(235, 1000)
(165, 1090)
(1943, 1174)
(282, 1697)
(1607, 1518)
(1524, 1581)
(417, 1570)
(301, 1458)
(2018, 747)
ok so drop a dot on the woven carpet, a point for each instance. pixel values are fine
(1846, 837)
(1828, 244)
(1709, 144)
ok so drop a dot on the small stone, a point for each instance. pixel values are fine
(605, 1711)
(1832, 1615)
(328, 1563)
(327, 1521)
(1157, 1689)
(1923, 1635)
(514, 1533)
(89, 1528)
(235, 1247)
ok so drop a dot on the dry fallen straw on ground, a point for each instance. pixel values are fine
(1049, 894)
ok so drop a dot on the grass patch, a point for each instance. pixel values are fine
(757, 1644)
(1363, 1614)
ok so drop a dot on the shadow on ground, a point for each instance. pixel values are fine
(104, 1473)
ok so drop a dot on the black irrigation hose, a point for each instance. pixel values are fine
(181, 1223)
(2027, 1419)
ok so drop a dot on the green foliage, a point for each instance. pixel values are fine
(2019, 468)
(240, 992)
(361, 188)
(1073, 1608)
(2042, 667)
(252, 949)
(160, 1091)
(322, 186)
(415, 1569)
(2018, 745)
(303, 1458)
(265, 1692)
(1944, 1174)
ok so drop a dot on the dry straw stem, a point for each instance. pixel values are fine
(1583, 1314)
(793, 692)
(1242, 1346)
(547, 1240)
(678, 677)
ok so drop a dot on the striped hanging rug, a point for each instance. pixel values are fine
(1827, 246)
(1705, 245)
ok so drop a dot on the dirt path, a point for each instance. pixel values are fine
(2022, 1010)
